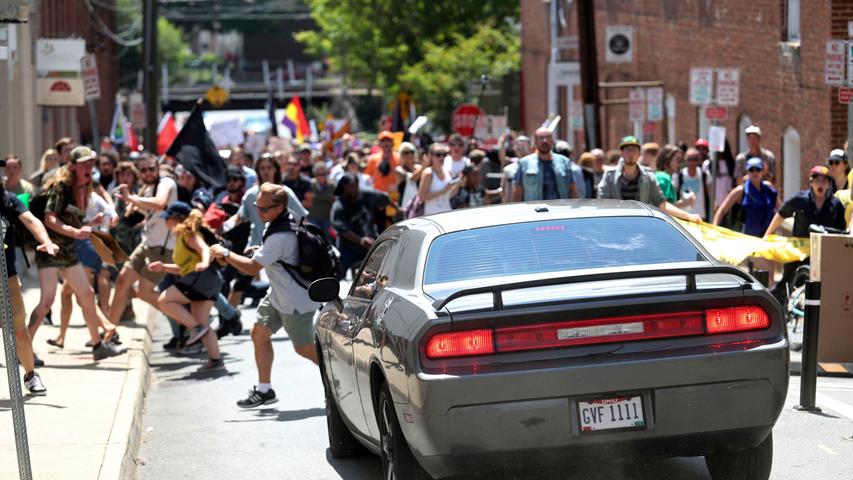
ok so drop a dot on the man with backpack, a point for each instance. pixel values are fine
(287, 303)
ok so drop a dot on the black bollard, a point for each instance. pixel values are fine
(763, 276)
(808, 370)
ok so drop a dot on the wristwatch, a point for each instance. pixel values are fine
(226, 254)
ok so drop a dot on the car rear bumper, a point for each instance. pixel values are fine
(692, 405)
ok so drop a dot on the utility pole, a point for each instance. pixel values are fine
(150, 90)
(589, 73)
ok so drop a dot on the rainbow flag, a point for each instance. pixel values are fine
(294, 119)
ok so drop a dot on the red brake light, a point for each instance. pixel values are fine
(736, 319)
(459, 344)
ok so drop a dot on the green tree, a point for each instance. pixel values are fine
(397, 45)
(173, 49)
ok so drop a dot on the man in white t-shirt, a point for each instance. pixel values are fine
(286, 304)
(456, 160)
(157, 240)
(694, 179)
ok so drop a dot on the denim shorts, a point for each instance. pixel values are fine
(87, 255)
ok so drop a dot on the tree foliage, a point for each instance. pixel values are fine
(433, 49)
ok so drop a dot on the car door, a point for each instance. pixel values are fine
(341, 357)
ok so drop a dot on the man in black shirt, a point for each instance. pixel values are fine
(814, 206)
(14, 212)
(354, 220)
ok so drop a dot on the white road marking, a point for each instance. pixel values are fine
(836, 406)
(827, 449)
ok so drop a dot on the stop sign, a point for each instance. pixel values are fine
(465, 118)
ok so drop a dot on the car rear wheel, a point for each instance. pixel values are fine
(342, 443)
(750, 464)
(398, 462)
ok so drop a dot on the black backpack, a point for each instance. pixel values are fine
(317, 258)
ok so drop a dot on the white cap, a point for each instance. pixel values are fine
(753, 129)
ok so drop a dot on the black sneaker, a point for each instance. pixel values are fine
(256, 398)
(171, 344)
(211, 365)
(34, 384)
(105, 350)
(236, 325)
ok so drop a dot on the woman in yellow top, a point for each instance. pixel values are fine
(196, 280)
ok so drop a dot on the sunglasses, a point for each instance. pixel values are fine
(439, 154)
(147, 169)
(456, 144)
(321, 174)
(235, 179)
(835, 162)
(266, 209)
(755, 169)
(693, 159)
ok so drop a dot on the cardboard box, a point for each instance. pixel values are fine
(832, 265)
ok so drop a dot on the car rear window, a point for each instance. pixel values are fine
(553, 246)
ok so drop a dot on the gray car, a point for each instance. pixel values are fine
(512, 336)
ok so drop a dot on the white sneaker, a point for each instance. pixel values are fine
(35, 385)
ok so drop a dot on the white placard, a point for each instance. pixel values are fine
(4, 52)
(717, 138)
(834, 66)
(637, 106)
(728, 87)
(136, 105)
(701, 83)
(228, 133)
(850, 29)
(849, 63)
(654, 104)
(490, 126)
(59, 55)
(619, 46)
(91, 83)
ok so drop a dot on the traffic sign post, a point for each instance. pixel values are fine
(464, 119)
(92, 91)
(654, 102)
(713, 112)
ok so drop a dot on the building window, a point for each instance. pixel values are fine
(791, 152)
(792, 20)
(743, 122)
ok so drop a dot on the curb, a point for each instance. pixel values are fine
(119, 461)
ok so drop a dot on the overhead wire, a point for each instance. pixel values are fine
(102, 28)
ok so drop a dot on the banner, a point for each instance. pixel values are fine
(734, 247)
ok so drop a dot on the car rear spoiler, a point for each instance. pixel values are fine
(689, 272)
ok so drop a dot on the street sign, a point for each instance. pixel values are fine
(569, 42)
(217, 96)
(716, 138)
(849, 48)
(845, 95)
(834, 66)
(60, 92)
(728, 86)
(89, 71)
(701, 82)
(649, 128)
(619, 46)
(654, 104)
(850, 29)
(713, 112)
(136, 105)
(464, 119)
(637, 110)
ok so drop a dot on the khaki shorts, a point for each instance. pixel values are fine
(143, 255)
(19, 313)
(298, 326)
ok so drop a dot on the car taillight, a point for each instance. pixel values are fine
(603, 330)
(461, 344)
(736, 319)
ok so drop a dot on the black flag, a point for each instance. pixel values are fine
(194, 149)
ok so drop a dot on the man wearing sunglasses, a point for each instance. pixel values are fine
(286, 304)
(838, 170)
(543, 175)
(157, 242)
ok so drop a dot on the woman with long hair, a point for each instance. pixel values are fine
(437, 187)
(667, 164)
(69, 192)
(49, 161)
(196, 281)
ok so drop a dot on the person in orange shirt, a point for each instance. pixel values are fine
(382, 166)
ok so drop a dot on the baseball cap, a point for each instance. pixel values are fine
(629, 141)
(82, 154)
(235, 171)
(386, 134)
(818, 170)
(753, 129)
(701, 143)
(406, 147)
(837, 154)
(755, 162)
(178, 209)
(201, 199)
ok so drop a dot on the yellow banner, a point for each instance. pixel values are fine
(734, 247)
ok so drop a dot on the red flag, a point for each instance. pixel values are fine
(167, 131)
(131, 138)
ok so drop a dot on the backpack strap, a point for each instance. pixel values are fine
(293, 271)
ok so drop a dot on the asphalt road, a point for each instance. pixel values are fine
(193, 429)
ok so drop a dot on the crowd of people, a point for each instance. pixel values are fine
(187, 248)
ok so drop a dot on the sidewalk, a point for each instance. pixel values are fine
(88, 424)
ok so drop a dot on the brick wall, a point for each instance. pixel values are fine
(781, 85)
(535, 54)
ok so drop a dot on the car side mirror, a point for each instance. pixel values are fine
(326, 290)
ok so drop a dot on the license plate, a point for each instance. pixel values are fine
(611, 413)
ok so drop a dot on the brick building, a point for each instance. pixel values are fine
(777, 45)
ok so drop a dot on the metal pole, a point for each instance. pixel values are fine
(713, 193)
(93, 120)
(762, 276)
(808, 370)
(589, 73)
(19, 422)
(150, 73)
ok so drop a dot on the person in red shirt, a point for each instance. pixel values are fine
(382, 166)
